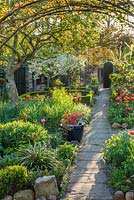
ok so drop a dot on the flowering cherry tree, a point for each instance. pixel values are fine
(61, 64)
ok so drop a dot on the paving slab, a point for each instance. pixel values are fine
(93, 148)
(88, 177)
(88, 181)
(87, 156)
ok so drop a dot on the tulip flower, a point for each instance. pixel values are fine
(120, 89)
(43, 121)
(131, 132)
(25, 116)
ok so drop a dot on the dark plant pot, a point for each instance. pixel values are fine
(75, 133)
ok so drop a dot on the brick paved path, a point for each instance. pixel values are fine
(88, 179)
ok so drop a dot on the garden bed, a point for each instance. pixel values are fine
(32, 143)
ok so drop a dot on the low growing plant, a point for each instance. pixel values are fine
(12, 179)
(118, 180)
(119, 156)
(8, 160)
(117, 148)
(37, 157)
(67, 152)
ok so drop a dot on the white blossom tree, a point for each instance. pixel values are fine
(62, 64)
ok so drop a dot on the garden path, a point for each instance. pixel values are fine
(88, 181)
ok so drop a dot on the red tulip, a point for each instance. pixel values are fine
(123, 95)
(126, 99)
(131, 132)
(25, 115)
(76, 99)
(119, 99)
(130, 98)
(120, 89)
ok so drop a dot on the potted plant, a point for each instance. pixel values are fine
(73, 123)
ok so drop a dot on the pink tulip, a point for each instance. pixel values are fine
(43, 121)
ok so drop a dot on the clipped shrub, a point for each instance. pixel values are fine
(12, 179)
(16, 133)
(88, 99)
(93, 85)
(37, 95)
(61, 96)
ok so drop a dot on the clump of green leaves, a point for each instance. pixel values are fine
(119, 156)
(117, 148)
(37, 157)
(8, 160)
(67, 152)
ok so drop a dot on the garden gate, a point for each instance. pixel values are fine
(107, 70)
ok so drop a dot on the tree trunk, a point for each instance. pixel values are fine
(11, 88)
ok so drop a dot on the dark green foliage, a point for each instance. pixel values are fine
(12, 179)
(56, 139)
(33, 175)
(59, 171)
(37, 157)
(8, 160)
(10, 112)
(118, 180)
